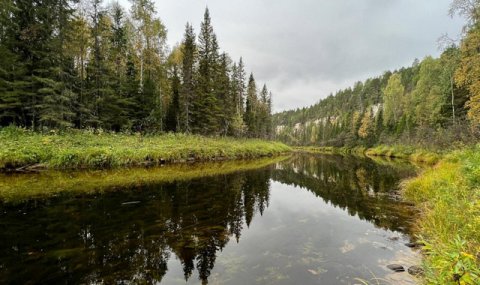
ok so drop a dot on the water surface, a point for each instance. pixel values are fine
(310, 219)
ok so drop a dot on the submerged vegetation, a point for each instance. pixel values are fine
(449, 197)
(82, 149)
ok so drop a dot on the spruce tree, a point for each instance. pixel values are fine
(56, 110)
(206, 109)
(269, 122)
(238, 86)
(250, 116)
(39, 93)
(225, 98)
(263, 113)
(10, 67)
(187, 93)
(237, 80)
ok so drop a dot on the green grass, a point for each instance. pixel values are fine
(449, 197)
(406, 152)
(16, 188)
(83, 149)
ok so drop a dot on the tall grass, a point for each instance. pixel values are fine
(86, 149)
(449, 197)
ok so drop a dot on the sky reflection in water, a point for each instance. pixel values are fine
(308, 220)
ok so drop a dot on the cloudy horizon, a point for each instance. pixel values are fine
(308, 49)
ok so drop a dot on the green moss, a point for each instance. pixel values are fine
(449, 196)
(82, 149)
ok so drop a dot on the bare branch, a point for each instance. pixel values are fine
(468, 9)
(445, 42)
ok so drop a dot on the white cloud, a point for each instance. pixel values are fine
(306, 49)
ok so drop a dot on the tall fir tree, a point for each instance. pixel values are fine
(263, 113)
(225, 97)
(10, 67)
(250, 116)
(207, 108)
(187, 92)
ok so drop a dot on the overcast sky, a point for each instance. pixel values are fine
(306, 49)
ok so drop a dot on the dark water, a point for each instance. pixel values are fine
(308, 220)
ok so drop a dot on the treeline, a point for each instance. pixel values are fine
(82, 64)
(435, 101)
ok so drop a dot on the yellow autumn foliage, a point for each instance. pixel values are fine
(468, 73)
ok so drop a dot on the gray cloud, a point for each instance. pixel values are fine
(307, 49)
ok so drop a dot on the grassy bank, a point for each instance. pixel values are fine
(16, 188)
(82, 149)
(449, 196)
(405, 152)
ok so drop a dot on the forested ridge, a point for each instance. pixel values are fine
(433, 102)
(89, 64)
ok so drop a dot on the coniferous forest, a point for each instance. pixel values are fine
(88, 64)
(434, 102)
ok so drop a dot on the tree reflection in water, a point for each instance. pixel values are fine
(103, 239)
(358, 185)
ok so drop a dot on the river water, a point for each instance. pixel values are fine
(308, 219)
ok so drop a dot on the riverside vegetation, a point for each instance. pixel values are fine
(449, 197)
(82, 149)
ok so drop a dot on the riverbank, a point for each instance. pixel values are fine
(448, 196)
(23, 149)
(399, 152)
(406, 152)
(17, 187)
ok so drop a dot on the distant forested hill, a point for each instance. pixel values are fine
(434, 102)
(426, 103)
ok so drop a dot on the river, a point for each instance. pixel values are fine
(306, 219)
